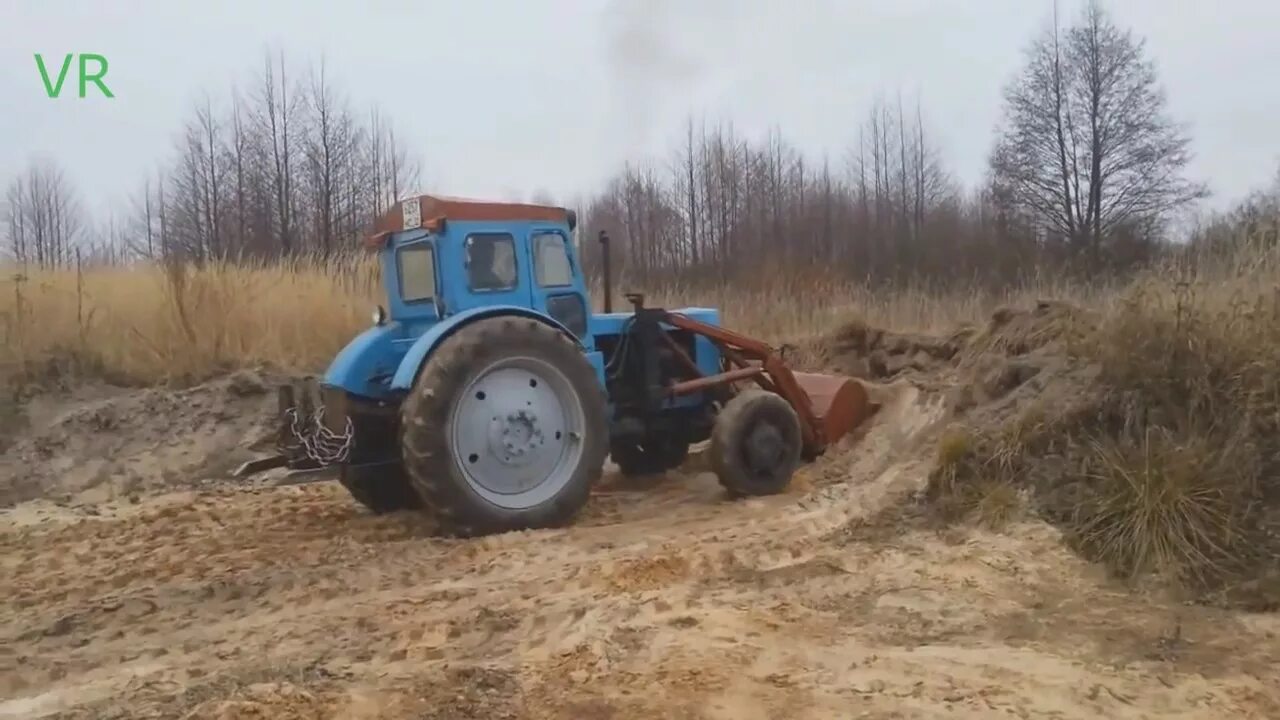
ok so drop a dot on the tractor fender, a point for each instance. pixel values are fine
(368, 360)
(422, 348)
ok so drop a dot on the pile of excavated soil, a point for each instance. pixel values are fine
(197, 597)
(1021, 358)
(99, 443)
(858, 350)
(1034, 411)
(989, 376)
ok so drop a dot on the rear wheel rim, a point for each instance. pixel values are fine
(515, 432)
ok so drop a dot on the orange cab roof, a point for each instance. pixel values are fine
(432, 209)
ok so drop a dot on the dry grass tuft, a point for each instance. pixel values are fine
(1170, 505)
(955, 446)
(998, 503)
(969, 482)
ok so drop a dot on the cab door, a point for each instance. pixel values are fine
(558, 288)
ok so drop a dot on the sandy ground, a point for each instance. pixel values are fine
(159, 598)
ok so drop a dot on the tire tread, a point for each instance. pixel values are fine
(727, 437)
(427, 458)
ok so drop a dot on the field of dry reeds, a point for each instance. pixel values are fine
(144, 324)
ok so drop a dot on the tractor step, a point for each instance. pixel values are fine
(253, 467)
(306, 476)
(297, 475)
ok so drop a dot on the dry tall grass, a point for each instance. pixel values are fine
(144, 324)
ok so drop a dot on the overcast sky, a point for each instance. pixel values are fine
(508, 97)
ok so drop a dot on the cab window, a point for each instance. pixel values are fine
(551, 260)
(417, 268)
(491, 262)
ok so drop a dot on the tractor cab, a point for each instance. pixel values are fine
(441, 257)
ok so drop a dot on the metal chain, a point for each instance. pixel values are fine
(320, 444)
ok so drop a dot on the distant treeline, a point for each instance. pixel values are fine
(1086, 172)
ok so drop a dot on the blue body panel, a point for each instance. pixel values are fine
(365, 366)
(383, 361)
(708, 358)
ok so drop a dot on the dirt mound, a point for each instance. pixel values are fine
(1019, 378)
(1117, 433)
(1013, 332)
(861, 351)
(1023, 356)
(987, 373)
(100, 443)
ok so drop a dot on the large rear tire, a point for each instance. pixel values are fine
(381, 488)
(756, 443)
(506, 428)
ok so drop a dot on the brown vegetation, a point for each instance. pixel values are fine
(1147, 428)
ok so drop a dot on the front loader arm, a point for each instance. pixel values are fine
(741, 350)
(828, 407)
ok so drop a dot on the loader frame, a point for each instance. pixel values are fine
(745, 358)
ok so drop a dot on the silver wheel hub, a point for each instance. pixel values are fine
(515, 432)
(515, 438)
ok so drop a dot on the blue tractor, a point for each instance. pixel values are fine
(489, 394)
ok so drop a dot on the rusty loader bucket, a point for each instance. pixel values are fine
(840, 404)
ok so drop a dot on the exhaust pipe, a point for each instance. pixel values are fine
(608, 282)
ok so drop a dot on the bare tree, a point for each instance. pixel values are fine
(325, 151)
(43, 219)
(240, 170)
(1087, 148)
(278, 108)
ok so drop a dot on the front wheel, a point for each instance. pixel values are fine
(505, 428)
(756, 443)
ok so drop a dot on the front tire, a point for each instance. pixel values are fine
(505, 428)
(756, 443)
